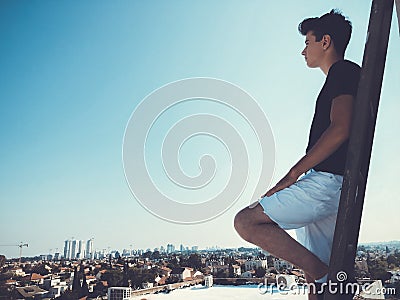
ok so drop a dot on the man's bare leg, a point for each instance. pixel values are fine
(254, 226)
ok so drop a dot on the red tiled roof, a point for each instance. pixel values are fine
(36, 276)
(10, 281)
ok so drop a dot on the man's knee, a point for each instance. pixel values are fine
(242, 224)
(247, 218)
(241, 220)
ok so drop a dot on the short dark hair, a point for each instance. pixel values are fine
(334, 24)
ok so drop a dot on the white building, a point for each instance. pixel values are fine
(280, 264)
(74, 248)
(237, 270)
(49, 282)
(119, 293)
(182, 273)
(255, 264)
(67, 249)
(89, 249)
(81, 250)
(208, 281)
(57, 290)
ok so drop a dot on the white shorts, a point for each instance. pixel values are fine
(310, 206)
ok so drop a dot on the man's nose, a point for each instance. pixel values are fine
(303, 52)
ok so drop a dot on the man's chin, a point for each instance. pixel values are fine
(312, 66)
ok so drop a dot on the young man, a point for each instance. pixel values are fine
(309, 203)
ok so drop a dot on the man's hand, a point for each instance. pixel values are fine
(286, 181)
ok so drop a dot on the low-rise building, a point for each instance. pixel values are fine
(181, 273)
(119, 293)
(237, 270)
(280, 264)
(57, 289)
(32, 291)
(255, 264)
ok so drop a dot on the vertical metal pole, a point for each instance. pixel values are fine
(360, 145)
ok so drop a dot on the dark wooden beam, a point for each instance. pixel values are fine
(360, 146)
(398, 13)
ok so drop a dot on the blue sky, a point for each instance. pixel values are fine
(72, 73)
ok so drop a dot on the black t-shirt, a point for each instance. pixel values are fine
(342, 79)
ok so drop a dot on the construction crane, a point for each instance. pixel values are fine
(20, 245)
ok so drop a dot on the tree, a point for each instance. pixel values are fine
(84, 289)
(173, 263)
(378, 269)
(5, 276)
(231, 271)
(221, 273)
(230, 260)
(392, 260)
(361, 248)
(113, 277)
(76, 285)
(138, 276)
(147, 254)
(260, 272)
(156, 255)
(261, 255)
(2, 260)
(9, 293)
(194, 261)
(40, 269)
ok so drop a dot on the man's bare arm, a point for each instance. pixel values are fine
(333, 137)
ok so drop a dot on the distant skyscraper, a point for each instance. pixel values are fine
(170, 248)
(89, 249)
(67, 249)
(81, 250)
(74, 248)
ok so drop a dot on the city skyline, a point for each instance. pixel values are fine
(168, 248)
(71, 77)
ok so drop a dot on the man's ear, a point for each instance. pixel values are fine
(326, 41)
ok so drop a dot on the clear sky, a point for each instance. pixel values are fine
(71, 74)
